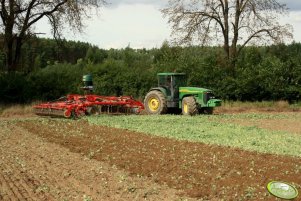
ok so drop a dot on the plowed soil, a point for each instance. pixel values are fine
(53, 159)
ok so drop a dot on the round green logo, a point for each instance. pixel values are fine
(282, 190)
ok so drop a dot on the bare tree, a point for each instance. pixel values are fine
(18, 18)
(233, 23)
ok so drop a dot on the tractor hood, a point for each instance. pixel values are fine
(204, 97)
(193, 90)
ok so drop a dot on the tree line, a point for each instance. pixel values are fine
(50, 70)
(231, 23)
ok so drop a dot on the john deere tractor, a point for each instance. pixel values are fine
(171, 93)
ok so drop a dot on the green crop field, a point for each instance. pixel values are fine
(234, 130)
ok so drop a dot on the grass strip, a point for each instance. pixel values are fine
(209, 130)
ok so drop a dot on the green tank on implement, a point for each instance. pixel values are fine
(172, 93)
(88, 83)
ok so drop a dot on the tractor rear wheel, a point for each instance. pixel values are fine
(189, 106)
(155, 103)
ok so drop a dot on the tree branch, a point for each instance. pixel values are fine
(3, 12)
(47, 12)
(256, 34)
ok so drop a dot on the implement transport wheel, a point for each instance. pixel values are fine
(93, 110)
(189, 106)
(155, 103)
(67, 114)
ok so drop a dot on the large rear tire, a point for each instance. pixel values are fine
(155, 103)
(189, 106)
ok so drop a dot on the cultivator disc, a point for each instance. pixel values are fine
(74, 106)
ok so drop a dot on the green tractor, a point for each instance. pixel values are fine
(170, 94)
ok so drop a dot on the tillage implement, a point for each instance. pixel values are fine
(74, 105)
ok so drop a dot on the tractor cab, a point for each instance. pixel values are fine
(171, 82)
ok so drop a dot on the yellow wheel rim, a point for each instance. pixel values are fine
(153, 104)
(185, 108)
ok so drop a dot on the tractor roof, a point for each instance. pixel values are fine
(164, 74)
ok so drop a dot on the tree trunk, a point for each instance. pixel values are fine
(13, 47)
(13, 53)
(226, 29)
(9, 21)
(233, 49)
(9, 46)
(19, 43)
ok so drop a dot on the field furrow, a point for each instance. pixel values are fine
(31, 168)
(198, 170)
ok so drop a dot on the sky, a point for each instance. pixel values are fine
(140, 24)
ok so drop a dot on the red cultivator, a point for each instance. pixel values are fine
(78, 105)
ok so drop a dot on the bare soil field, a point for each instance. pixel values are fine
(55, 159)
(34, 168)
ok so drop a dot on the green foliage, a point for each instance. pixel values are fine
(52, 69)
(122, 72)
(96, 55)
(54, 81)
(212, 130)
(13, 87)
(272, 77)
(39, 53)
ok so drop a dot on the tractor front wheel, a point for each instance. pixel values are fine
(155, 103)
(189, 106)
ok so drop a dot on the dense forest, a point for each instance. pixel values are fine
(50, 69)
